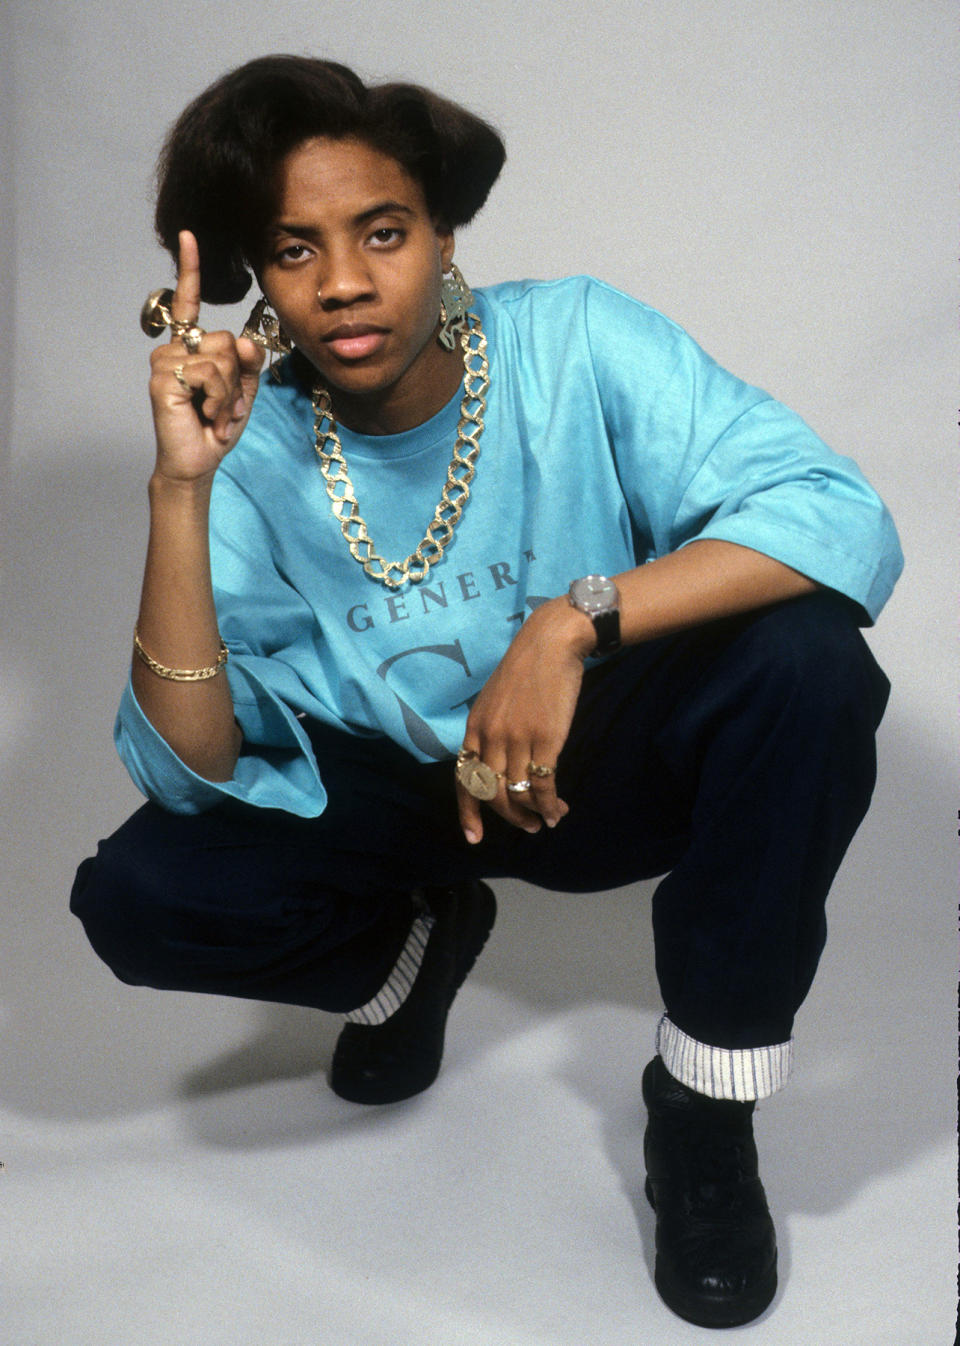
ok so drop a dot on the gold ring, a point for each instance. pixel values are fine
(156, 315)
(178, 375)
(518, 787)
(536, 769)
(189, 333)
(478, 779)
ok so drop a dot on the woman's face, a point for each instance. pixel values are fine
(352, 266)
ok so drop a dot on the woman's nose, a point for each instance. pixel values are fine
(345, 279)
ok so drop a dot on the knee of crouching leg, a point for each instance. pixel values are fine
(814, 649)
(111, 914)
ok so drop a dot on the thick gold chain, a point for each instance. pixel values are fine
(456, 490)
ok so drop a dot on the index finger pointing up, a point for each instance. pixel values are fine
(185, 305)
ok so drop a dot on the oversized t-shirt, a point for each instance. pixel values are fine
(610, 438)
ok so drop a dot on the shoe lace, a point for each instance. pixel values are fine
(719, 1173)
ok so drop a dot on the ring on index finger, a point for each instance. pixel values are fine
(538, 769)
(518, 787)
(156, 315)
(189, 333)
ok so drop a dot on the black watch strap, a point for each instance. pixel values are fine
(607, 627)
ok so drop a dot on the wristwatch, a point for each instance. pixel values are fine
(599, 599)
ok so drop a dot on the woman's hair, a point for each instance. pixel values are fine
(218, 170)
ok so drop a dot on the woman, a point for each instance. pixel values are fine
(340, 745)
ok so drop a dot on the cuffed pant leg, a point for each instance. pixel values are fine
(776, 742)
(739, 1074)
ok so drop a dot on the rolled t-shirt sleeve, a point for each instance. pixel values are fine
(701, 454)
(276, 767)
(769, 483)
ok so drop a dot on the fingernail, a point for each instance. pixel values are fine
(472, 837)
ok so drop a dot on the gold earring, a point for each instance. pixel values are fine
(455, 297)
(263, 327)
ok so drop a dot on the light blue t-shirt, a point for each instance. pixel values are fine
(610, 438)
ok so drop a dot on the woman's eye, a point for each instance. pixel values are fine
(387, 235)
(293, 252)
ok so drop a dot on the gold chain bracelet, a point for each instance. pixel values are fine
(180, 674)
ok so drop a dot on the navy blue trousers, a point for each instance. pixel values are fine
(737, 759)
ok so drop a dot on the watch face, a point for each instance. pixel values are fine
(594, 593)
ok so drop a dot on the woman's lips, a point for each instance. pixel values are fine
(355, 342)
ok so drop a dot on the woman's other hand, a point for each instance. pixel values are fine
(523, 716)
(202, 400)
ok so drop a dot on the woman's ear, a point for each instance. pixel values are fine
(447, 243)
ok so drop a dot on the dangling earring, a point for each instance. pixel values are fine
(263, 327)
(455, 296)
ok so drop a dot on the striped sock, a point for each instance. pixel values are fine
(398, 985)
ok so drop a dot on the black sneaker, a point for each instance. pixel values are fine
(716, 1262)
(384, 1063)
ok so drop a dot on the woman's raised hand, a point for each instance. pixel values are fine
(201, 399)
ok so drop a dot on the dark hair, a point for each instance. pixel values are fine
(217, 173)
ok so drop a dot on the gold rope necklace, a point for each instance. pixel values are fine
(456, 489)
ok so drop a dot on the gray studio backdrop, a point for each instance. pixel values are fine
(777, 177)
